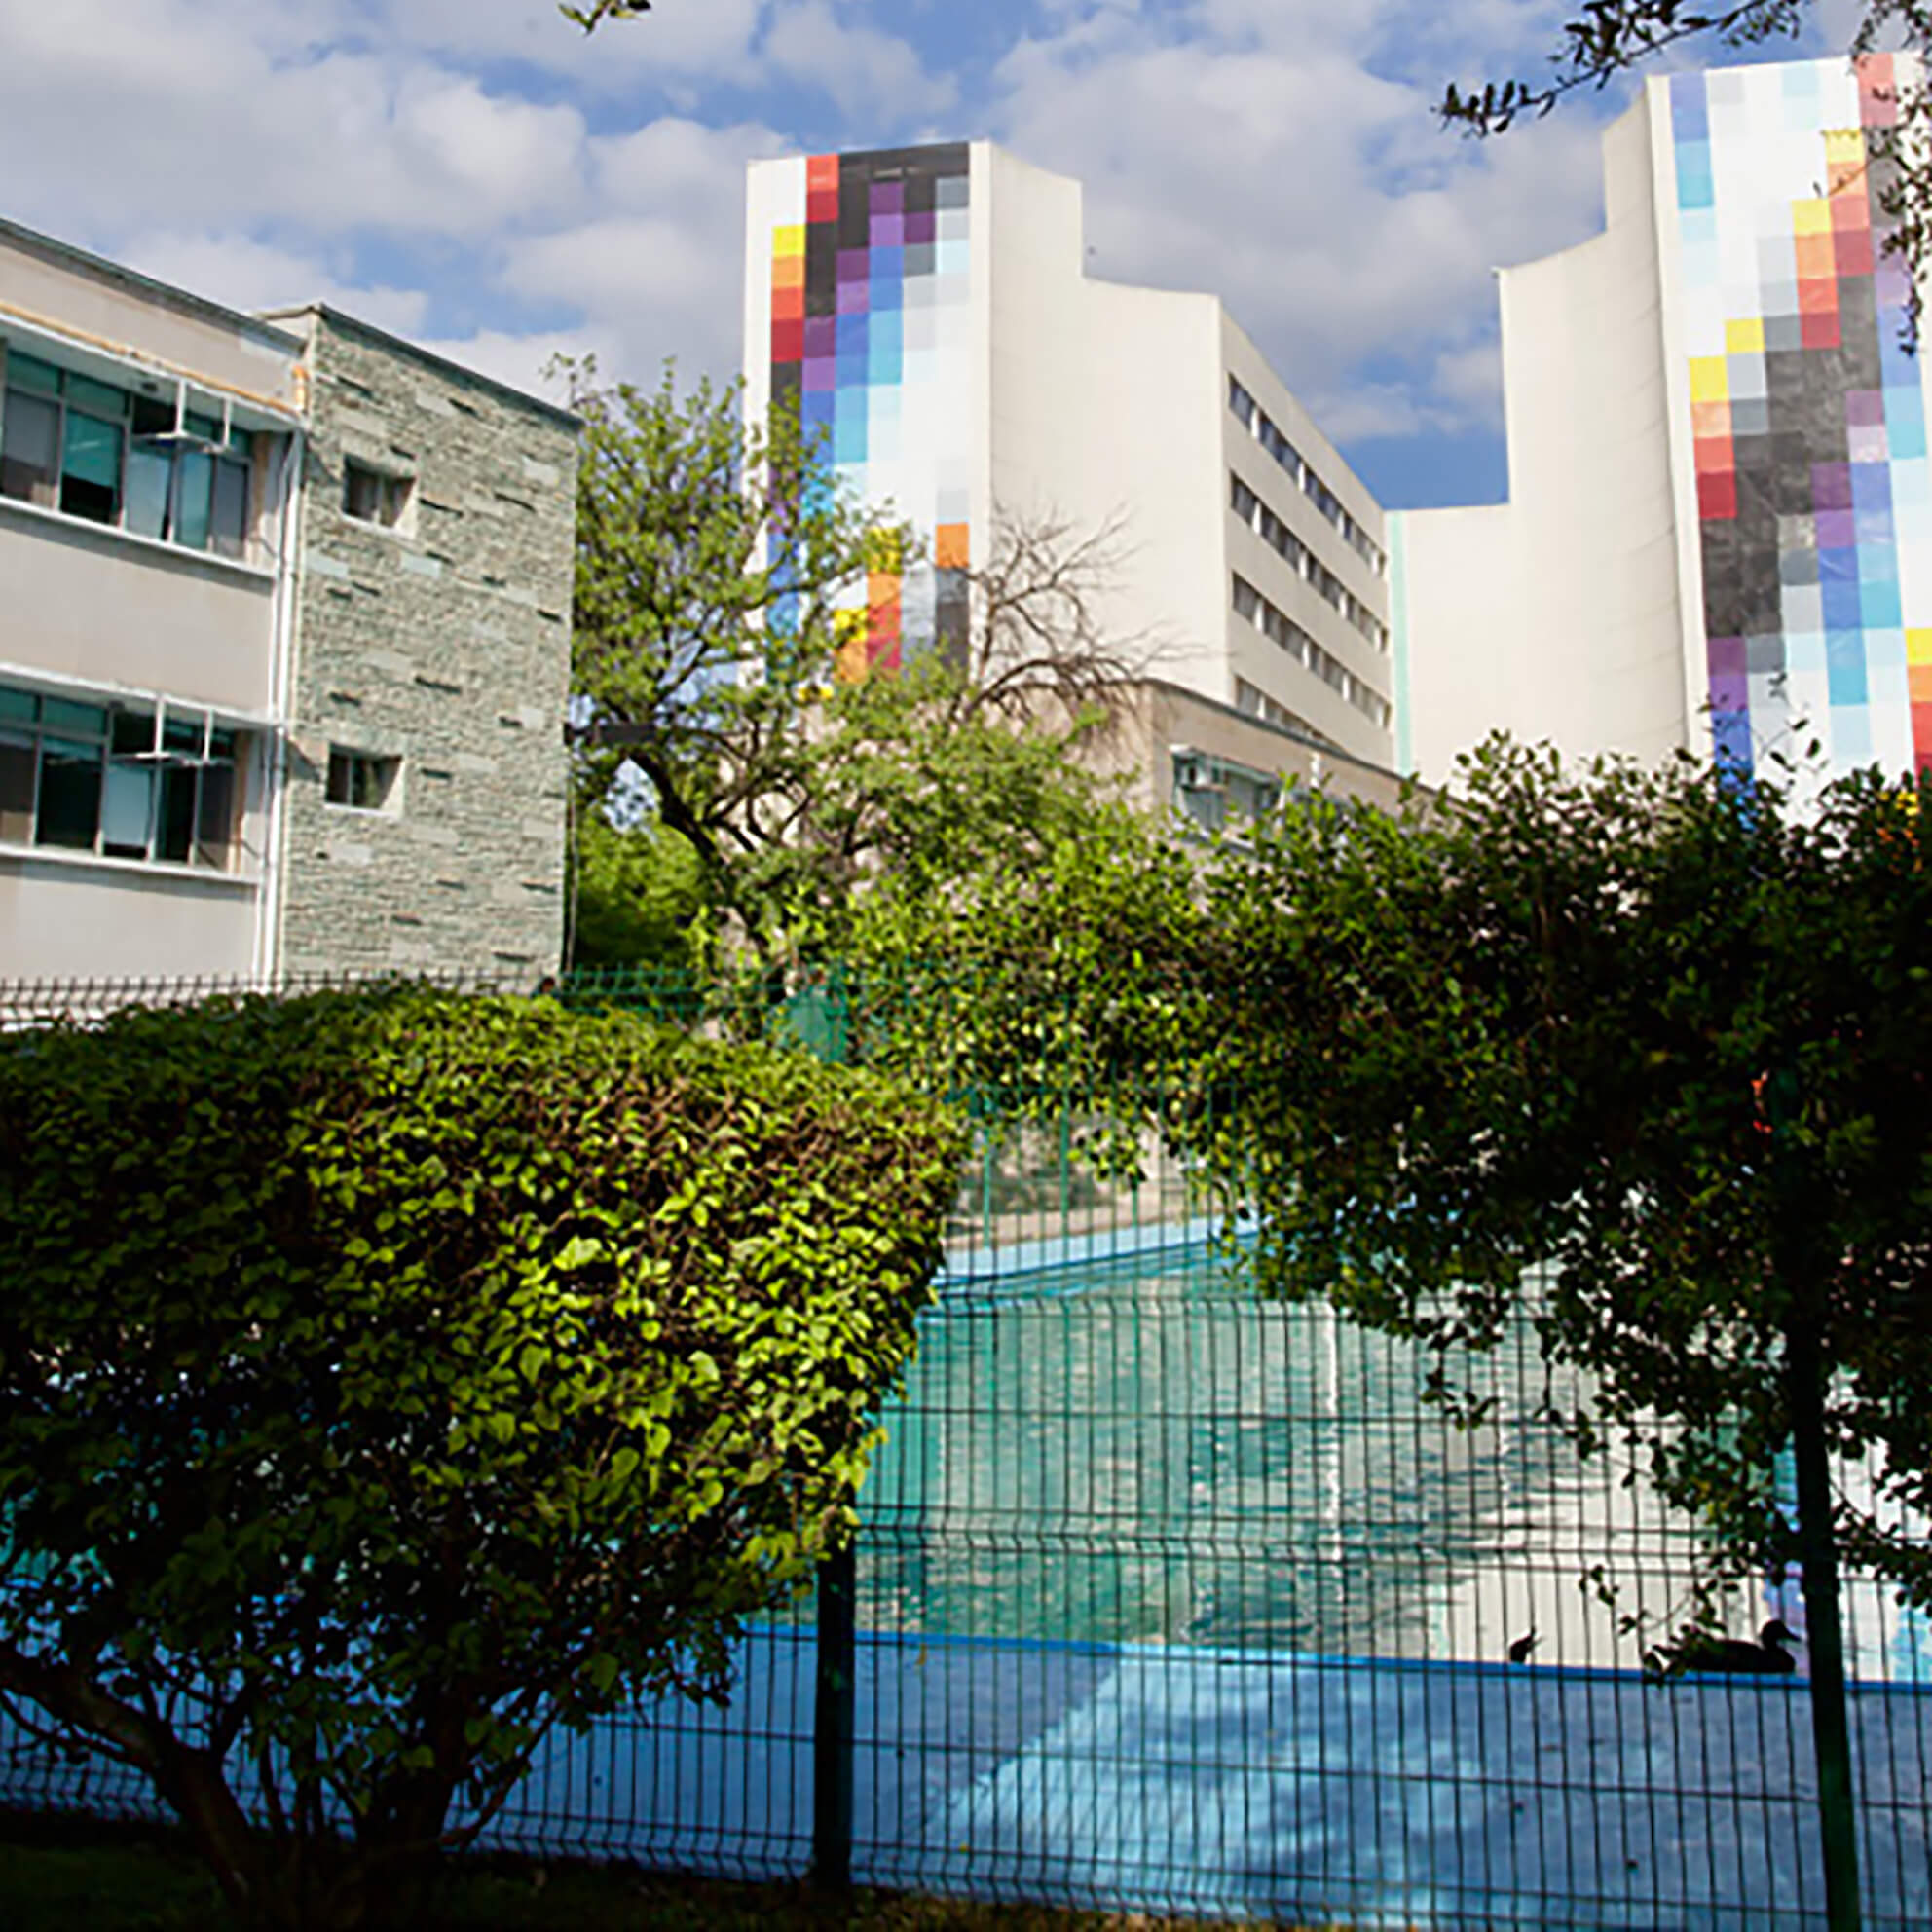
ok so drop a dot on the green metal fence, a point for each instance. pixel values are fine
(1170, 1599)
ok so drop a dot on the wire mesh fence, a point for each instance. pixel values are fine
(1172, 1599)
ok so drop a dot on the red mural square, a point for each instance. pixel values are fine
(1854, 251)
(788, 339)
(1715, 457)
(1849, 209)
(1820, 331)
(1818, 295)
(1717, 496)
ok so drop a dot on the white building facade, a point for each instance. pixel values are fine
(1718, 534)
(929, 310)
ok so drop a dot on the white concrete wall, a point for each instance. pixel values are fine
(89, 603)
(1559, 616)
(1105, 409)
(78, 919)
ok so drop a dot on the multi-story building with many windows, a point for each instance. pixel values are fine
(929, 310)
(284, 641)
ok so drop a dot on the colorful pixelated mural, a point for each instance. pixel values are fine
(1809, 418)
(870, 333)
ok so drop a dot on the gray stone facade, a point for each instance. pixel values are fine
(432, 646)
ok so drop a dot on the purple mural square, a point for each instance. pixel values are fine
(1830, 486)
(1864, 407)
(854, 298)
(888, 197)
(821, 372)
(920, 227)
(1891, 284)
(1727, 658)
(1731, 690)
(855, 264)
(821, 335)
(1837, 530)
(888, 231)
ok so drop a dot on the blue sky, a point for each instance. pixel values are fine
(476, 174)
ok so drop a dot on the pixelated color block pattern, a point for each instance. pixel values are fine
(1808, 416)
(871, 334)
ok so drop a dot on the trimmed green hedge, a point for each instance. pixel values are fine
(397, 1372)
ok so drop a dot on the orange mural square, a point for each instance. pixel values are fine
(952, 546)
(1814, 258)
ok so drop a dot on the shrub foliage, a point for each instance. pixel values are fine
(387, 1376)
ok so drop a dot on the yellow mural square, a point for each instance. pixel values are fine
(1918, 647)
(789, 239)
(1709, 379)
(1845, 144)
(1812, 217)
(1746, 338)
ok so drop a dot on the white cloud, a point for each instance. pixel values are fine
(248, 275)
(857, 65)
(1266, 155)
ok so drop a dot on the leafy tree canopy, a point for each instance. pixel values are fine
(719, 648)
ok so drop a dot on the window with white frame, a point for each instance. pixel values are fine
(123, 456)
(160, 784)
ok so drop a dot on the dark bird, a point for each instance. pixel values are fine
(1519, 1651)
(1698, 1649)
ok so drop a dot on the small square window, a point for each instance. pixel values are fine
(373, 496)
(361, 780)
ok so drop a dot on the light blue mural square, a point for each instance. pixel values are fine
(815, 409)
(1851, 734)
(1875, 531)
(1805, 652)
(1845, 666)
(1886, 676)
(951, 225)
(885, 368)
(953, 258)
(1697, 233)
(1878, 604)
(848, 439)
(1911, 484)
(1905, 425)
(1800, 80)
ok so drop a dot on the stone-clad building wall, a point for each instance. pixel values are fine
(441, 642)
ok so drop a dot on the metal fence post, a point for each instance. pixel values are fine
(1831, 1734)
(834, 1698)
(833, 1718)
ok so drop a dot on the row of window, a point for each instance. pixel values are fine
(1277, 534)
(1258, 422)
(114, 456)
(159, 784)
(1253, 702)
(1278, 626)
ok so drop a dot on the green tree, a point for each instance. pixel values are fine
(1609, 37)
(716, 572)
(387, 1377)
(1662, 1041)
(637, 899)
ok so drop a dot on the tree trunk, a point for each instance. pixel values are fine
(1824, 1629)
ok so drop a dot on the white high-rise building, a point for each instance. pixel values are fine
(1719, 531)
(930, 311)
